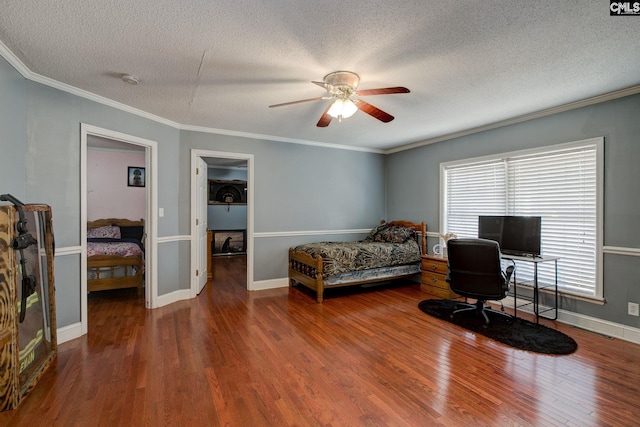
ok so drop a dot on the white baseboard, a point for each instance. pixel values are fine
(171, 297)
(69, 332)
(270, 284)
(593, 324)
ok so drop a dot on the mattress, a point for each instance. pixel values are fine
(371, 274)
(350, 257)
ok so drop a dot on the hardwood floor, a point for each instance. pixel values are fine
(276, 358)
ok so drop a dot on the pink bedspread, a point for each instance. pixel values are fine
(121, 248)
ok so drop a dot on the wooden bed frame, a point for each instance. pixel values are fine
(306, 269)
(113, 261)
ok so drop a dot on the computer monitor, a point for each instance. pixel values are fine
(516, 235)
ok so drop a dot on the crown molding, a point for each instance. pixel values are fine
(278, 139)
(633, 90)
(13, 60)
(16, 63)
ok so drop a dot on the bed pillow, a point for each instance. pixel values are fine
(395, 235)
(375, 230)
(105, 232)
(132, 232)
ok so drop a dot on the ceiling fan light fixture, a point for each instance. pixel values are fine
(342, 89)
(342, 109)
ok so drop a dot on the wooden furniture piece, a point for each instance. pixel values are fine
(28, 342)
(434, 273)
(102, 270)
(308, 270)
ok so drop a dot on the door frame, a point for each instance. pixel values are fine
(151, 222)
(195, 154)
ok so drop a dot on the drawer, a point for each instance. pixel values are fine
(437, 280)
(439, 292)
(434, 266)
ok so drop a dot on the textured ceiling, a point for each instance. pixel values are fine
(219, 64)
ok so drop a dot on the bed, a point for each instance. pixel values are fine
(115, 254)
(391, 251)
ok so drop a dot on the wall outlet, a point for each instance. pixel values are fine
(634, 309)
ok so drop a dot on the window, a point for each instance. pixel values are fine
(562, 184)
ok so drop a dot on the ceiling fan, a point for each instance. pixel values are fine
(342, 88)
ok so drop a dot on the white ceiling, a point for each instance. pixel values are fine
(220, 64)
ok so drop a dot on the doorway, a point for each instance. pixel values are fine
(236, 166)
(94, 137)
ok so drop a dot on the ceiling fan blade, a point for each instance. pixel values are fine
(321, 84)
(383, 91)
(297, 102)
(373, 111)
(325, 119)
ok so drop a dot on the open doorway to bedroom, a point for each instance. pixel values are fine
(117, 233)
(222, 209)
(116, 214)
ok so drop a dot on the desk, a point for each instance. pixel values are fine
(536, 289)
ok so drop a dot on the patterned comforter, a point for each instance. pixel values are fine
(122, 247)
(342, 257)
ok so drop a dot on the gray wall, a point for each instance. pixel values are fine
(297, 187)
(300, 188)
(40, 146)
(413, 185)
(13, 131)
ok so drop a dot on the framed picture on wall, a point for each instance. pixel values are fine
(229, 242)
(135, 176)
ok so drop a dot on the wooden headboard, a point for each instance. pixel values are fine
(115, 221)
(420, 228)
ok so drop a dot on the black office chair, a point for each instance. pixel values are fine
(475, 271)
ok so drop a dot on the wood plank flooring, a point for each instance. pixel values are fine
(276, 358)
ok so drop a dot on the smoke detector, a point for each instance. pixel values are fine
(130, 78)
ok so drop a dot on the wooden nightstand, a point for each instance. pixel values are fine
(434, 273)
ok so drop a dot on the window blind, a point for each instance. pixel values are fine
(560, 185)
(473, 190)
